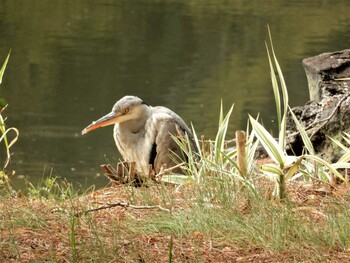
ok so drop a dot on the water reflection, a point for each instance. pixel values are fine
(71, 61)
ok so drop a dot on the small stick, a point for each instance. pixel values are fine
(204, 152)
(121, 204)
(164, 171)
(241, 157)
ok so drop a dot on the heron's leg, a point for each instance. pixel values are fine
(132, 170)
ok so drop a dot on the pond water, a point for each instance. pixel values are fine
(72, 60)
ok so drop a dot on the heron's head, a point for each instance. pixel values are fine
(126, 109)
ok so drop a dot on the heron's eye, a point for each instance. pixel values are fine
(126, 110)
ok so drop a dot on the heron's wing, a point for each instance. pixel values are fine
(178, 120)
(167, 150)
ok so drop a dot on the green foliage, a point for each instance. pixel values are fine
(73, 220)
(46, 189)
(2, 70)
(51, 188)
(4, 179)
(345, 158)
(219, 144)
(281, 108)
(287, 167)
(170, 258)
(210, 158)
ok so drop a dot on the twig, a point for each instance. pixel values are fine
(122, 204)
(164, 171)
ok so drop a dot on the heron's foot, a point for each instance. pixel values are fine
(124, 173)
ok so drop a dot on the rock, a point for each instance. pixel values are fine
(328, 112)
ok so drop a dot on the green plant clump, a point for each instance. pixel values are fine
(4, 178)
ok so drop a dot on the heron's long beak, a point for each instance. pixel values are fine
(109, 119)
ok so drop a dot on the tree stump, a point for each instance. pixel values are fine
(328, 112)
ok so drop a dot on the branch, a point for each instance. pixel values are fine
(122, 204)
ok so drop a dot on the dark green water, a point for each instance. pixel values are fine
(71, 60)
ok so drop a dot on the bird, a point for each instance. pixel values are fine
(144, 134)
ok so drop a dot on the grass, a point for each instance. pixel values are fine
(311, 225)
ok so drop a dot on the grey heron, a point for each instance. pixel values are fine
(143, 134)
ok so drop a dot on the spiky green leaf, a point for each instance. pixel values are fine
(294, 168)
(283, 118)
(275, 89)
(272, 168)
(2, 70)
(270, 144)
(339, 144)
(345, 158)
(326, 164)
(306, 140)
(220, 136)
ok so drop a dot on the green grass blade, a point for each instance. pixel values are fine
(221, 116)
(275, 89)
(326, 164)
(341, 165)
(72, 237)
(339, 79)
(339, 144)
(170, 257)
(282, 131)
(306, 140)
(3, 131)
(346, 137)
(344, 158)
(251, 154)
(270, 144)
(196, 141)
(2, 123)
(220, 136)
(281, 78)
(294, 168)
(271, 168)
(8, 145)
(2, 70)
